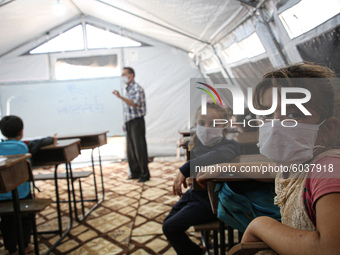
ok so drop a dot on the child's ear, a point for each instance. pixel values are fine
(332, 126)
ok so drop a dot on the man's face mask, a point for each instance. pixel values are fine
(125, 79)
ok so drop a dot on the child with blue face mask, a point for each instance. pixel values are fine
(308, 194)
(208, 146)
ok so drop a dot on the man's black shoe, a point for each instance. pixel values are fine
(143, 179)
(132, 178)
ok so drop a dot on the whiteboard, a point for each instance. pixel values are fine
(65, 107)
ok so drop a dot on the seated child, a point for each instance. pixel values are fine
(309, 193)
(208, 147)
(12, 128)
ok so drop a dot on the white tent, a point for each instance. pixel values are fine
(226, 39)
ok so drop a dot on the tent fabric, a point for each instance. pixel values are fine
(198, 19)
(324, 49)
(172, 29)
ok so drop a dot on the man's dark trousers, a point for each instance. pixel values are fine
(136, 149)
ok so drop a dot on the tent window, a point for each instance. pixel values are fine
(308, 14)
(217, 78)
(99, 38)
(247, 48)
(73, 39)
(323, 49)
(87, 67)
(70, 40)
(209, 64)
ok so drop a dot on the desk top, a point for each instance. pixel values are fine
(89, 140)
(13, 171)
(11, 160)
(61, 144)
(62, 152)
(84, 134)
(246, 138)
(250, 158)
(186, 132)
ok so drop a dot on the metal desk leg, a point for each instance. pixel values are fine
(18, 221)
(215, 242)
(222, 237)
(95, 190)
(68, 167)
(230, 237)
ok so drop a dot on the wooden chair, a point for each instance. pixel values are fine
(216, 226)
(76, 175)
(33, 206)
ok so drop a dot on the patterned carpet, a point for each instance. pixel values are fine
(129, 221)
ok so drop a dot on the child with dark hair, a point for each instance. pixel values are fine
(12, 128)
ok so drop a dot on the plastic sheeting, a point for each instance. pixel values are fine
(323, 49)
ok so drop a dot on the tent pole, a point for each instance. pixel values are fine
(270, 31)
(259, 7)
(83, 23)
(6, 3)
(221, 63)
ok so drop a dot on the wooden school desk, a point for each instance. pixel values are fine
(210, 187)
(14, 172)
(251, 158)
(61, 153)
(185, 135)
(247, 140)
(91, 141)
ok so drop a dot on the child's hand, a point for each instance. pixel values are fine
(55, 138)
(177, 186)
(184, 142)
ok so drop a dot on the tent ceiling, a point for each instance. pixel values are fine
(185, 24)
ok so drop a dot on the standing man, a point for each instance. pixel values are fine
(134, 111)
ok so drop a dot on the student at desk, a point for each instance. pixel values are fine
(209, 147)
(309, 200)
(12, 128)
(308, 187)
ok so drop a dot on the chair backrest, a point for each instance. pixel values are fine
(12, 147)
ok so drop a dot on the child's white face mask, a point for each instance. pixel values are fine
(209, 136)
(288, 144)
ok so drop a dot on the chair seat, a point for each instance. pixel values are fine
(26, 206)
(259, 248)
(215, 225)
(75, 175)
